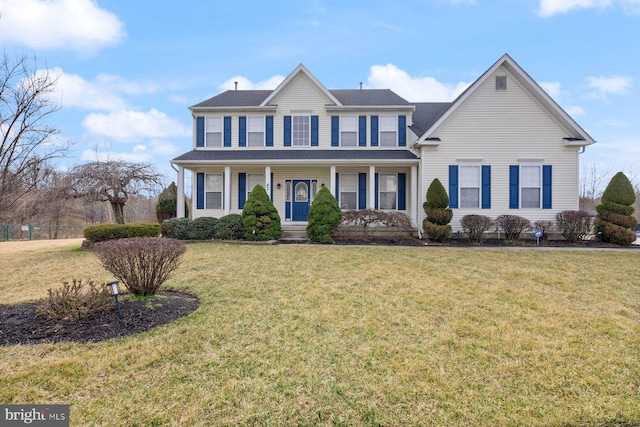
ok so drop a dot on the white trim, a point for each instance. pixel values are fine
(300, 69)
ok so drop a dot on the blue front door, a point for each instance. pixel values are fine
(301, 200)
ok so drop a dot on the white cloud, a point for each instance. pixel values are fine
(134, 125)
(59, 24)
(552, 88)
(575, 110)
(604, 86)
(414, 89)
(246, 84)
(549, 8)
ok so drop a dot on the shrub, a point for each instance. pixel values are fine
(362, 223)
(75, 300)
(203, 228)
(141, 264)
(614, 213)
(436, 206)
(259, 217)
(475, 226)
(324, 216)
(176, 228)
(230, 227)
(166, 207)
(574, 225)
(100, 233)
(546, 227)
(513, 226)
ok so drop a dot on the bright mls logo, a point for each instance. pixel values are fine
(35, 415)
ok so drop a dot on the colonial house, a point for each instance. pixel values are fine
(502, 147)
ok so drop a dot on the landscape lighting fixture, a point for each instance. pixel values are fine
(113, 288)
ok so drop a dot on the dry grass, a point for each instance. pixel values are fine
(330, 335)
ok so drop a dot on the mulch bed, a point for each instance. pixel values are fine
(19, 324)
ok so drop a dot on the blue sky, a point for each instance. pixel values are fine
(129, 70)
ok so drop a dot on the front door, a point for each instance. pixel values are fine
(301, 201)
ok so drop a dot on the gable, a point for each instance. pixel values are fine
(301, 93)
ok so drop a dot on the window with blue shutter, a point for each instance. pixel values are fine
(269, 130)
(374, 132)
(486, 187)
(242, 189)
(242, 131)
(453, 186)
(402, 191)
(314, 131)
(227, 131)
(199, 131)
(362, 191)
(362, 131)
(200, 190)
(402, 131)
(546, 187)
(287, 131)
(514, 187)
(335, 131)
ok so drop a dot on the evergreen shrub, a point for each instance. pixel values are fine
(324, 216)
(436, 206)
(230, 227)
(615, 218)
(260, 218)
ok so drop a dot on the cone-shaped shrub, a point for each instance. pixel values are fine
(614, 213)
(324, 216)
(259, 217)
(167, 203)
(436, 224)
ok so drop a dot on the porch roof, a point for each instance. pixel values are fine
(295, 157)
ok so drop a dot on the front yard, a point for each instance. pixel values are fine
(339, 335)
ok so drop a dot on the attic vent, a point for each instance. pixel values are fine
(501, 82)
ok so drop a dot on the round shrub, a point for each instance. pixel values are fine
(141, 264)
(324, 216)
(203, 228)
(475, 226)
(176, 228)
(230, 227)
(259, 216)
(75, 300)
(513, 226)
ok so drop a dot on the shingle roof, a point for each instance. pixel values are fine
(236, 98)
(368, 97)
(426, 114)
(308, 154)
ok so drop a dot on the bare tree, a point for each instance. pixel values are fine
(26, 140)
(114, 181)
(591, 186)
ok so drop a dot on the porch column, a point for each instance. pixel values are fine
(180, 199)
(227, 190)
(371, 204)
(267, 180)
(332, 181)
(413, 185)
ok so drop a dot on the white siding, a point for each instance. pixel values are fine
(501, 128)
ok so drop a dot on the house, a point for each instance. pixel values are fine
(502, 147)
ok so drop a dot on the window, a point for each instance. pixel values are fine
(301, 130)
(501, 82)
(254, 179)
(387, 191)
(213, 190)
(213, 131)
(255, 131)
(348, 191)
(388, 131)
(287, 191)
(530, 186)
(469, 186)
(348, 131)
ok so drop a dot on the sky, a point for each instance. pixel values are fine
(129, 70)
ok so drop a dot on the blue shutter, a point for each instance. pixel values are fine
(227, 131)
(374, 131)
(486, 187)
(546, 187)
(402, 191)
(287, 131)
(242, 189)
(242, 131)
(335, 131)
(337, 189)
(199, 131)
(362, 131)
(362, 191)
(314, 131)
(514, 187)
(269, 128)
(200, 190)
(375, 187)
(453, 186)
(402, 131)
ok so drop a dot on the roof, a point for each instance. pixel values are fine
(369, 97)
(426, 114)
(236, 98)
(314, 155)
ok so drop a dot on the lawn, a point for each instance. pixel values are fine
(339, 335)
